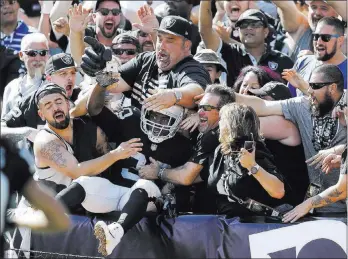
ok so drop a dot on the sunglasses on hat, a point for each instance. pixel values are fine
(316, 86)
(127, 51)
(252, 24)
(105, 11)
(324, 37)
(34, 53)
(207, 107)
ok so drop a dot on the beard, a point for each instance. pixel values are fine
(327, 56)
(324, 107)
(62, 124)
(108, 35)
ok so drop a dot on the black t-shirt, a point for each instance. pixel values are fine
(10, 66)
(204, 150)
(142, 74)
(240, 183)
(237, 58)
(290, 161)
(343, 169)
(175, 151)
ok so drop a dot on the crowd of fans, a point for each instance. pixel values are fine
(230, 107)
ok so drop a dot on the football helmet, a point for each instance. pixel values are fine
(161, 125)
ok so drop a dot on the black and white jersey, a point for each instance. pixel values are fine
(125, 125)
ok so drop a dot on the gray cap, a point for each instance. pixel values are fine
(208, 56)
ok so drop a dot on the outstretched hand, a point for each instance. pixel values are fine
(147, 18)
(78, 18)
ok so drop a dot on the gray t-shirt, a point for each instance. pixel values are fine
(298, 111)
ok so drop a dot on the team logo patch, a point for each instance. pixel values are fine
(169, 22)
(67, 60)
(272, 65)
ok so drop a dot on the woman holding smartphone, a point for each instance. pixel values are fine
(243, 171)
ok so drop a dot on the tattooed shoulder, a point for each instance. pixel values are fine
(51, 151)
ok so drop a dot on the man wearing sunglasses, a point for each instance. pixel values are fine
(12, 30)
(312, 116)
(34, 54)
(197, 168)
(328, 39)
(253, 31)
(299, 27)
(125, 47)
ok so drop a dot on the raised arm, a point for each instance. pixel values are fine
(50, 151)
(291, 18)
(340, 7)
(210, 38)
(278, 128)
(78, 19)
(44, 23)
(261, 107)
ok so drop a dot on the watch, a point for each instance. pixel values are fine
(178, 96)
(254, 169)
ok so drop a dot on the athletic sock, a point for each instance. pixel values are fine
(72, 196)
(134, 210)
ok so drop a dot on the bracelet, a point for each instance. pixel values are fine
(160, 173)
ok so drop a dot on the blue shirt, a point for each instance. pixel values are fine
(13, 41)
(306, 64)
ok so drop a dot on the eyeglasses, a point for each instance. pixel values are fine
(207, 107)
(119, 52)
(10, 2)
(324, 37)
(105, 11)
(316, 86)
(252, 24)
(34, 53)
(143, 34)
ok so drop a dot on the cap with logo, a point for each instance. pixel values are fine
(276, 90)
(208, 56)
(58, 62)
(254, 15)
(176, 25)
(48, 88)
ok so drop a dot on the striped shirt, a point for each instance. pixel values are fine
(13, 40)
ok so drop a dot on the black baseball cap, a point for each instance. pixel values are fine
(58, 62)
(127, 38)
(208, 56)
(254, 15)
(176, 25)
(48, 88)
(100, 1)
(276, 90)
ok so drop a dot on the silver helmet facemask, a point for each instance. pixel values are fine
(161, 125)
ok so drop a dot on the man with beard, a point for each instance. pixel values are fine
(253, 31)
(159, 79)
(312, 115)
(23, 120)
(301, 28)
(328, 39)
(107, 18)
(145, 40)
(12, 30)
(34, 54)
(196, 169)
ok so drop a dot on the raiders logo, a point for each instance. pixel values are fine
(169, 22)
(272, 65)
(67, 60)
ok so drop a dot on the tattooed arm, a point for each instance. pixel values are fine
(330, 195)
(50, 151)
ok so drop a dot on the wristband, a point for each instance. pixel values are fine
(46, 7)
(160, 173)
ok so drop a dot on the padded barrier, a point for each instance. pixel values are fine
(207, 236)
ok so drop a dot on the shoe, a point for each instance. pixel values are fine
(108, 235)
